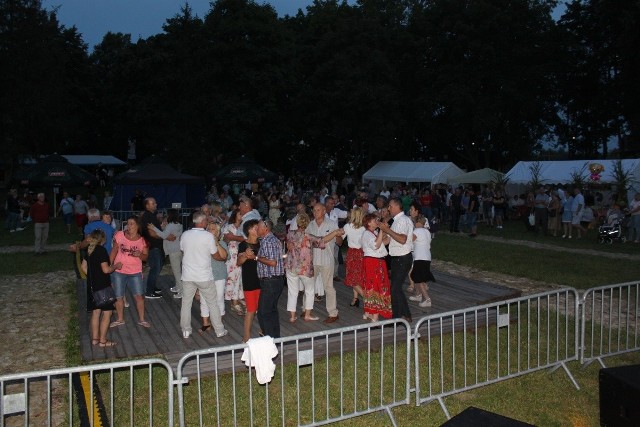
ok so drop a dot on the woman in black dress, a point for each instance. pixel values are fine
(98, 268)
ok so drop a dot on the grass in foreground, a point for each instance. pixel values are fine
(28, 263)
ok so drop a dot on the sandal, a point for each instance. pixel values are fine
(293, 319)
(310, 318)
(95, 341)
(116, 323)
(107, 344)
(144, 324)
(205, 328)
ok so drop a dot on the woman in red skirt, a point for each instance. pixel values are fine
(377, 288)
(353, 231)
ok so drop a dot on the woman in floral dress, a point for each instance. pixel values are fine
(377, 288)
(233, 288)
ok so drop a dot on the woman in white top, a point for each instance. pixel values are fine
(171, 246)
(421, 271)
(353, 231)
(377, 288)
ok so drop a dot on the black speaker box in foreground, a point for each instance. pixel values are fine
(474, 417)
(620, 396)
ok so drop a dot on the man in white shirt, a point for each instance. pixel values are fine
(335, 215)
(401, 259)
(198, 247)
(293, 222)
(323, 255)
(577, 208)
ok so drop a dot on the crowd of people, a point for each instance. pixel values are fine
(245, 245)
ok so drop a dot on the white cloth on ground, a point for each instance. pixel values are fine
(259, 354)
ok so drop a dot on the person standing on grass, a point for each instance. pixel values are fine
(39, 213)
(400, 251)
(472, 213)
(634, 225)
(98, 268)
(198, 247)
(567, 216)
(129, 249)
(14, 221)
(247, 254)
(66, 209)
(577, 209)
(80, 210)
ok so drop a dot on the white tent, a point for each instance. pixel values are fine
(562, 171)
(433, 172)
(480, 176)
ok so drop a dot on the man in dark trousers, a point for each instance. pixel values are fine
(156, 253)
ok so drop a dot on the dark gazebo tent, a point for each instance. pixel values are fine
(54, 171)
(242, 170)
(154, 177)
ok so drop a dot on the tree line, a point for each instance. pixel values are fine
(337, 87)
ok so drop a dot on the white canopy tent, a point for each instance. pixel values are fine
(562, 171)
(393, 171)
(480, 176)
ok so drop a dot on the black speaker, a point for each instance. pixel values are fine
(620, 396)
(474, 417)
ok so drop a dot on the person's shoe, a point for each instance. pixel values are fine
(416, 298)
(319, 298)
(12, 231)
(152, 296)
(331, 319)
(472, 235)
(425, 303)
(355, 303)
(186, 334)
(174, 290)
(158, 292)
(222, 334)
(19, 228)
(337, 279)
(178, 295)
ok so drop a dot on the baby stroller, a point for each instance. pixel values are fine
(610, 232)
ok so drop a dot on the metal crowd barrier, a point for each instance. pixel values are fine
(122, 216)
(610, 321)
(320, 378)
(124, 393)
(468, 348)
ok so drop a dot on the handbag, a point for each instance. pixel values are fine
(104, 297)
(532, 219)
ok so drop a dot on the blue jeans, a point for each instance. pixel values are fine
(155, 260)
(400, 266)
(13, 220)
(634, 224)
(271, 288)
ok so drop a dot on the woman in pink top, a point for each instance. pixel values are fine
(130, 249)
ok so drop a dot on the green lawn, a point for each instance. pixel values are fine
(57, 234)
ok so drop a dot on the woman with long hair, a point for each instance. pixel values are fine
(377, 288)
(98, 267)
(219, 269)
(130, 249)
(353, 231)
(233, 288)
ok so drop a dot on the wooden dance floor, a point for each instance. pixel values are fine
(164, 338)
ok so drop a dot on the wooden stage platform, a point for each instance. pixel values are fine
(164, 338)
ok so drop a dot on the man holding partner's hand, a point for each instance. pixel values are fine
(401, 258)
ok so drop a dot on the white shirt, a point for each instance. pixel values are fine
(336, 214)
(368, 243)
(323, 256)
(422, 244)
(353, 235)
(292, 223)
(197, 245)
(402, 224)
(252, 214)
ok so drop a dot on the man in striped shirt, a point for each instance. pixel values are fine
(271, 275)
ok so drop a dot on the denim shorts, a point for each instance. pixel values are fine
(120, 280)
(472, 219)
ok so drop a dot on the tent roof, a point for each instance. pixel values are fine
(154, 171)
(245, 169)
(93, 160)
(434, 172)
(560, 171)
(480, 176)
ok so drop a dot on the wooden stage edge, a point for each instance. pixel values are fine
(164, 338)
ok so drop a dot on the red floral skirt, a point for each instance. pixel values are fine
(354, 267)
(377, 288)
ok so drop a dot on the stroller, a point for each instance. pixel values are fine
(612, 231)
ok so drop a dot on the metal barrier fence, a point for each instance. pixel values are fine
(610, 321)
(333, 375)
(104, 394)
(464, 349)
